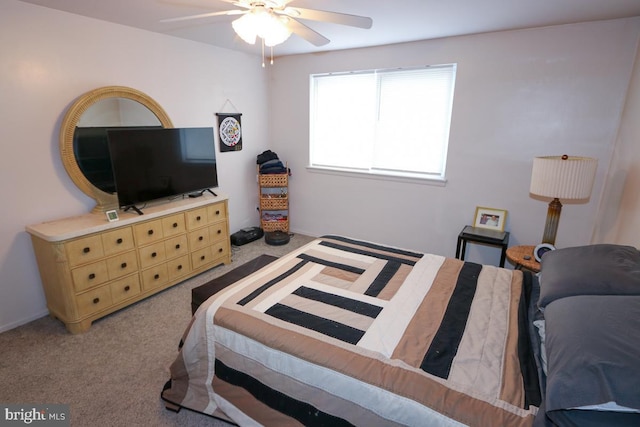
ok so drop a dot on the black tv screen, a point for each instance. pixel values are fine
(91, 150)
(150, 164)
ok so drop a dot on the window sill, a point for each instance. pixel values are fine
(439, 182)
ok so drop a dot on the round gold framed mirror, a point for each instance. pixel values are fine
(102, 108)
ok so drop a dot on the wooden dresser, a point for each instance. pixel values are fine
(91, 267)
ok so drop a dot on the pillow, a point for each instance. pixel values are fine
(589, 270)
(593, 353)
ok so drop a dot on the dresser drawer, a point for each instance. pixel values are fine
(201, 257)
(148, 232)
(198, 239)
(125, 288)
(84, 250)
(197, 218)
(176, 246)
(220, 249)
(155, 277)
(208, 255)
(216, 212)
(93, 301)
(121, 265)
(218, 231)
(173, 225)
(117, 241)
(178, 267)
(152, 254)
(88, 276)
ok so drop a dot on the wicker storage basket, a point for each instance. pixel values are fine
(274, 180)
(279, 203)
(275, 226)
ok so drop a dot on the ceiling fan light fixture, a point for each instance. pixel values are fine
(246, 28)
(262, 23)
(277, 31)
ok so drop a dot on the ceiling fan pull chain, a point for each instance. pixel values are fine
(271, 55)
(262, 52)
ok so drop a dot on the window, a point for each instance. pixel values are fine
(385, 122)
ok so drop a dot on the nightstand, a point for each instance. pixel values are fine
(484, 236)
(522, 257)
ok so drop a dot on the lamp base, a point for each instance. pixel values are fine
(553, 218)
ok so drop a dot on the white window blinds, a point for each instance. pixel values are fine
(383, 121)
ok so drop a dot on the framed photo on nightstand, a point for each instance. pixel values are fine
(493, 219)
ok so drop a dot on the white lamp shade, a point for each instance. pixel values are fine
(563, 177)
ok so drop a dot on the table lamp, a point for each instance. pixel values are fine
(561, 178)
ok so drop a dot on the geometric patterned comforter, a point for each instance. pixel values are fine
(347, 332)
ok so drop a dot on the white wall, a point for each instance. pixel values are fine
(619, 221)
(48, 59)
(519, 94)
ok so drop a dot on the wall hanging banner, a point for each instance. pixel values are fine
(230, 131)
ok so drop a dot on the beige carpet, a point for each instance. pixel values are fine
(113, 374)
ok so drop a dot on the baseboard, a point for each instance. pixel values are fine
(17, 323)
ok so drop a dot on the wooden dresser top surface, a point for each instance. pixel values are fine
(77, 226)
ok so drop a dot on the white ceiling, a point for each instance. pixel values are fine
(393, 21)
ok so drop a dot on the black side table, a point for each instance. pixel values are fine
(484, 236)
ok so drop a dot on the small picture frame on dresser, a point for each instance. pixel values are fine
(112, 215)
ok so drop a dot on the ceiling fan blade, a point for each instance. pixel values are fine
(333, 17)
(306, 33)
(246, 4)
(205, 15)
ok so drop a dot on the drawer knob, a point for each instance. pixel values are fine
(201, 238)
(198, 218)
(123, 265)
(202, 258)
(217, 212)
(157, 276)
(154, 254)
(119, 241)
(220, 250)
(86, 250)
(175, 225)
(150, 232)
(178, 246)
(96, 300)
(180, 267)
(92, 276)
(127, 288)
(219, 231)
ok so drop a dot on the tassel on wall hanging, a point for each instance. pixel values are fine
(230, 131)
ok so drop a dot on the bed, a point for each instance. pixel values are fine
(350, 332)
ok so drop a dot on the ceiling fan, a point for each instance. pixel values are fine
(274, 20)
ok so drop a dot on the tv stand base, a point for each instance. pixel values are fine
(138, 211)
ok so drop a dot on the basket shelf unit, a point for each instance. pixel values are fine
(274, 201)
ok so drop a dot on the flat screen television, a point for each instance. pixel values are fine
(150, 164)
(91, 150)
